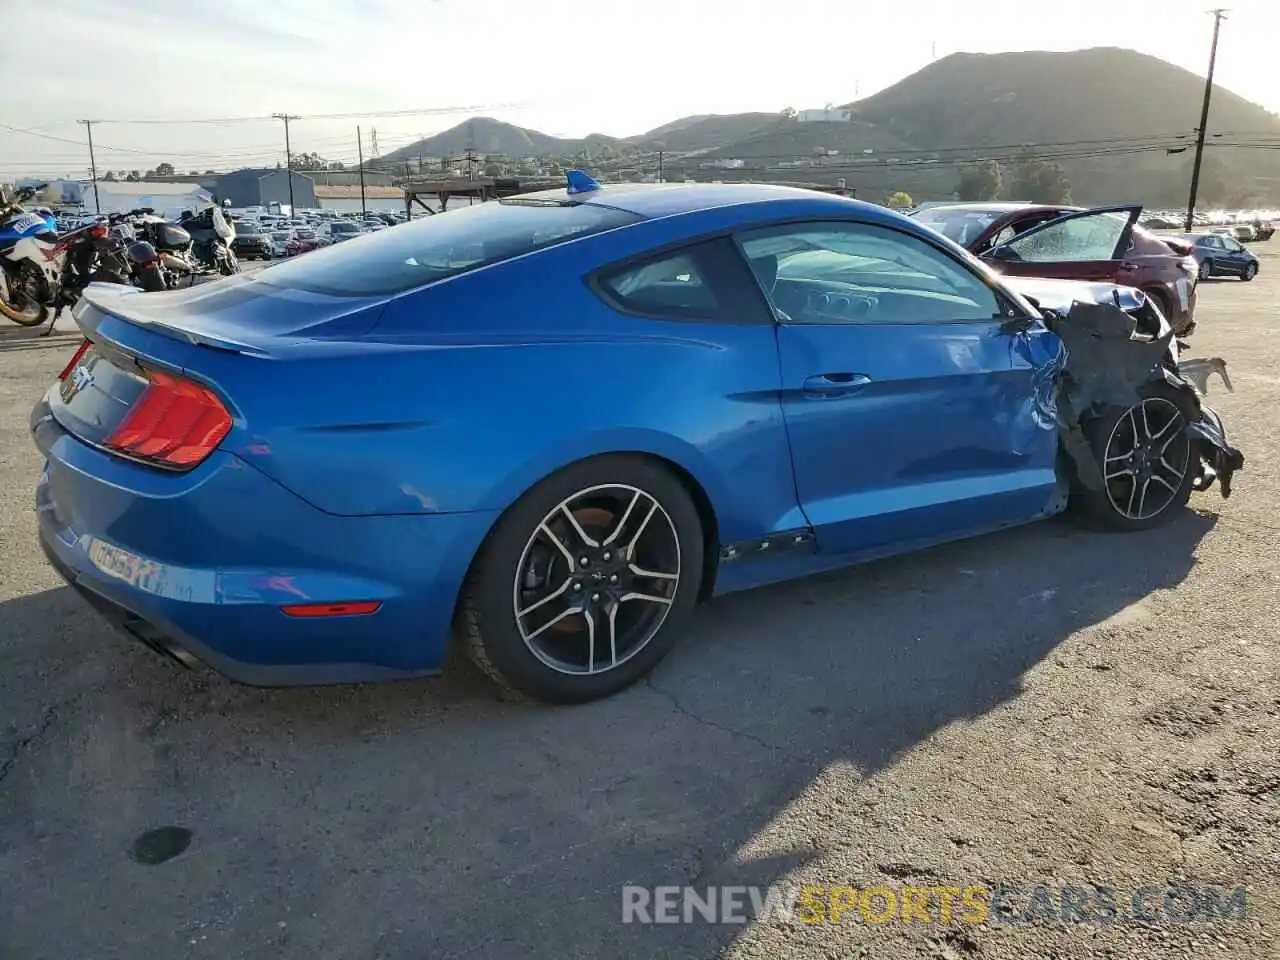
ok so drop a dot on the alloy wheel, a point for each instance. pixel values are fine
(596, 579)
(1147, 458)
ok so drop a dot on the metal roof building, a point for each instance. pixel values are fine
(262, 186)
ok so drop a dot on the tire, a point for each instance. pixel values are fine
(32, 313)
(518, 616)
(1249, 273)
(151, 279)
(1206, 270)
(1123, 504)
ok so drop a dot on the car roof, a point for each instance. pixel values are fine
(653, 200)
(1005, 206)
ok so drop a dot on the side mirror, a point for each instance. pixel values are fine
(1001, 252)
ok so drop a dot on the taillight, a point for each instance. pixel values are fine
(98, 231)
(75, 359)
(175, 422)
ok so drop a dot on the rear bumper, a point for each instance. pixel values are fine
(200, 565)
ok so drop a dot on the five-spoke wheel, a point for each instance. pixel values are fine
(1147, 458)
(582, 585)
(596, 579)
(1149, 462)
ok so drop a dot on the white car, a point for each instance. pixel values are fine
(279, 242)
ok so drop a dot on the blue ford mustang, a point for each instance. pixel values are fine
(549, 425)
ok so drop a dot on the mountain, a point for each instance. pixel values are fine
(1107, 116)
(496, 138)
(1038, 97)
(702, 131)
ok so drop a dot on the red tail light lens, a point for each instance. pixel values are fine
(75, 359)
(98, 231)
(175, 422)
(354, 608)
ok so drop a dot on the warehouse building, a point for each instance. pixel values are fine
(263, 186)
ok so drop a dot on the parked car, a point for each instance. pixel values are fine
(304, 239)
(1070, 243)
(280, 244)
(1243, 232)
(336, 231)
(250, 244)
(555, 422)
(1220, 255)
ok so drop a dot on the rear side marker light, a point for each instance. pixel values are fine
(79, 354)
(355, 608)
(175, 422)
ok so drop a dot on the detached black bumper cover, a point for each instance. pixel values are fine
(1107, 365)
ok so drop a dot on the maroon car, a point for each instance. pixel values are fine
(1070, 243)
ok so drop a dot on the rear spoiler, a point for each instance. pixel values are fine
(103, 299)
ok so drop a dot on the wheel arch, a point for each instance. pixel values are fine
(686, 465)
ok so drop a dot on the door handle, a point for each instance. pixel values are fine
(826, 386)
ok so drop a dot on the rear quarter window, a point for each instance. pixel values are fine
(439, 246)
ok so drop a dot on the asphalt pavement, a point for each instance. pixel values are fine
(1044, 706)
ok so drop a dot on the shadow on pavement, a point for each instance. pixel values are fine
(426, 818)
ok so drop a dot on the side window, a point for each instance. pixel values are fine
(838, 272)
(703, 281)
(1083, 238)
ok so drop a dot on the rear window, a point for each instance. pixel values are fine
(439, 246)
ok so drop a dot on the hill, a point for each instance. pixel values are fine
(1100, 102)
(702, 131)
(496, 138)
(1107, 116)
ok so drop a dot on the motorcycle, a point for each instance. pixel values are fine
(197, 243)
(41, 270)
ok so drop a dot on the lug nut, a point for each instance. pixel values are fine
(595, 596)
(608, 555)
(577, 586)
(614, 578)
(583, 561)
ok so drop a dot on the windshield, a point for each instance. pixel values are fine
(961, 224)
(439, 246)
(345, 228)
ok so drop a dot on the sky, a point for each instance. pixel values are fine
(565, 67)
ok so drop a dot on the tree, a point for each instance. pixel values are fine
(789, 113)
(148, 175)
(133, 176)
(109, 176)
(899, 199)
(165, 170)
(193, 173)
(492, 170)
(1039, 182)
(210, 173)
(309, 161)
(979, 182)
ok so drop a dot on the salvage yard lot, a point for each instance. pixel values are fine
(1041, 706)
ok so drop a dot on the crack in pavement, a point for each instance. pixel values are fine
(22, 743)
(684, 711)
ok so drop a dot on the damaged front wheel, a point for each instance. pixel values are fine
(1148, 462)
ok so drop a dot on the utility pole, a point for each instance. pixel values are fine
(288, 154)
(1218, 16)
(93, 166)
(360, 153)
(660, 180)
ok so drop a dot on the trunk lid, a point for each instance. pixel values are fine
(210, 335)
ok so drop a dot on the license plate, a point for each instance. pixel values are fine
(132, 569)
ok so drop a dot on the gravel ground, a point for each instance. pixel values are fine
(1045, 706)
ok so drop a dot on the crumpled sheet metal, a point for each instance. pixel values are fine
(1106, 366)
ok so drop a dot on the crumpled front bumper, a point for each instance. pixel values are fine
(1108, 366)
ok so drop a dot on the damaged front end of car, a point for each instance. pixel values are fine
(1119, 352)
